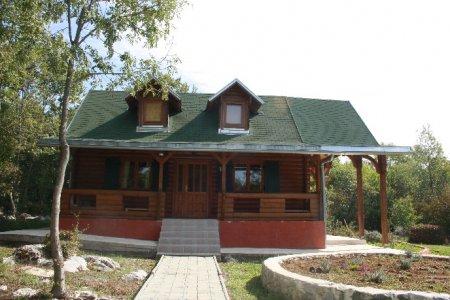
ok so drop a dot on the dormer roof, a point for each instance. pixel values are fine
(256, 100)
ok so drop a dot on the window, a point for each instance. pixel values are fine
(296, 205)
(246, 205)
(136, 175)
(135, 203)
(153, 111)
(84, 201)
(233, 114)
(248, 178)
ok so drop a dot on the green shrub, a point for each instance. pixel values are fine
(325, 266)
(341, 228)
(402, 214)
(405, 263)
(376, 276)
(6, 225)
(372, 236)
(70, 243)
(427, 234)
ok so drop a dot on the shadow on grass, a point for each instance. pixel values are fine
(254, 287)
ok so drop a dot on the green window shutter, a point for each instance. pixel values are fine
(271, 177)
(230, 179)
(154, 175)
(112, 173)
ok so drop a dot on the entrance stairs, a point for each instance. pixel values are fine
(193, 237)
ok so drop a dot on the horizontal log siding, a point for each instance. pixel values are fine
(109, 203)
(272, 207)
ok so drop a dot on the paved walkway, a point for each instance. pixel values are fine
(184, 277)
(88, 241)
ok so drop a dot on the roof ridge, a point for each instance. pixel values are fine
(293, 119)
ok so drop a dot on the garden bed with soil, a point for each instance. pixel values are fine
(382, 274)
(383, 271)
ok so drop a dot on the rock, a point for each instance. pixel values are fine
(38, 271)
(9, 260)
(25, 293)
(138, 275)
(85, 295)
(24, 216)
(101, 263)
(3, 289)
(75, 264)
(28, 253)
(44, 262)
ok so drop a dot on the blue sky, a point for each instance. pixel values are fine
(391, 59)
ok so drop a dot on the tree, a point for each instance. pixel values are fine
(30, 73)
(94, 27)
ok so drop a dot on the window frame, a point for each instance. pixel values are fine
(137, 161)
(243, 125)
(164, 115)
(248, 167)
(74, 199)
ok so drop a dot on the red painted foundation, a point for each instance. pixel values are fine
(126, 228)
(273, 234)
(252, 234)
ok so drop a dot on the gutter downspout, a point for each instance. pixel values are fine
(323, 189)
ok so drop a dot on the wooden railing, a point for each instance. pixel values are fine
(268, 206)
(110, 203)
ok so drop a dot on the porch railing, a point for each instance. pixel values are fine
(268, 206)
(112, 203)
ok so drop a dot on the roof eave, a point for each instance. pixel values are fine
(237, 147)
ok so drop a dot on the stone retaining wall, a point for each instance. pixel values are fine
(295, 286)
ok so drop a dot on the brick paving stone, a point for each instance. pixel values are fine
(184, 277)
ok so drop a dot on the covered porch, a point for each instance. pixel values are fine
(127, 193)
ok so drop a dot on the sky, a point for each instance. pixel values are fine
(390, 58)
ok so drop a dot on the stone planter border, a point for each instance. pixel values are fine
(295, 286)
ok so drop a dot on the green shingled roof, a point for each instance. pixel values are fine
(104, 115)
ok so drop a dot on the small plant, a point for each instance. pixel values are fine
(324, 267)
(376, 277)
(355, 262)
(405, 264)
(409, 254)
(372, 236)
(70, 242)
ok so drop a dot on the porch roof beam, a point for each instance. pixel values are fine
(228, 147)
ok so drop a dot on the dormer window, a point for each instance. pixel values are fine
(234, 103)
(233, 115)
(154, 112)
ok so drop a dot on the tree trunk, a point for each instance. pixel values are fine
(13, 204)
(59, 284)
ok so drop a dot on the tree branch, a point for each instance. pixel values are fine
(68, 21)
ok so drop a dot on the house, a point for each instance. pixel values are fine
(254, 163)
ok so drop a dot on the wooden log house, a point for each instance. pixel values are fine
(254, 163)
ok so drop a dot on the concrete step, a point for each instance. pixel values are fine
(189, 237)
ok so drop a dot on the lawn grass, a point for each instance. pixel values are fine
(6, 225)
(416, 248)
(243, 280)
(102, 283)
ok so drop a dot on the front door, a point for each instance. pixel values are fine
(192, 186)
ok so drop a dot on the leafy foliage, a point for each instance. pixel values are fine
(418, 189)
(372, 236)
(70, 243)
(427, 234)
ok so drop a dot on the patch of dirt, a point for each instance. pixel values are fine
(377, 270)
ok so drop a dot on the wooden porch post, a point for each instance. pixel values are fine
(382, 165)
(161, 195)
(357, 163)
(223, 184)
(223, 159)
